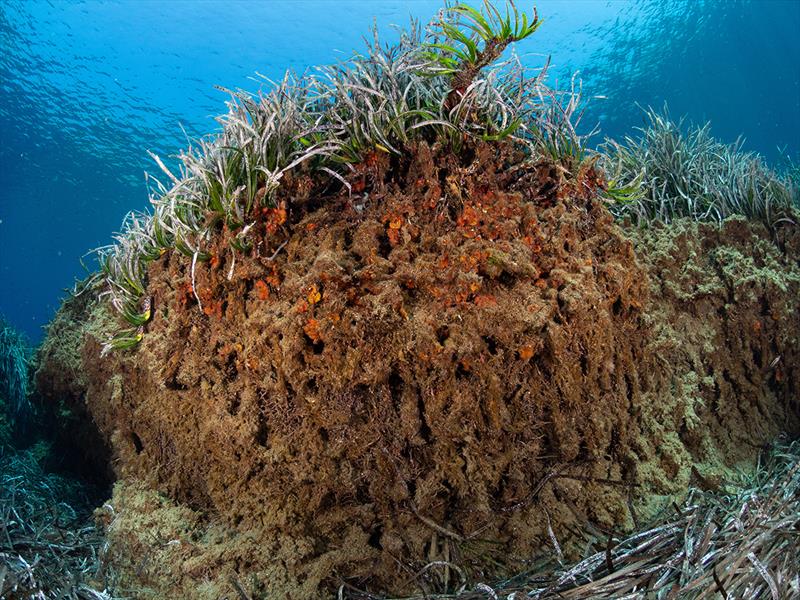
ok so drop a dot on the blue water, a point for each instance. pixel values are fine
(86, 88)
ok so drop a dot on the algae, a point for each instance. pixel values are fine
(383, 439)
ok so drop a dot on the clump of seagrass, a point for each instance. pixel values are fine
(13, 368)
(49, 545)
(438, 83)
(743, 542)
(683, 171)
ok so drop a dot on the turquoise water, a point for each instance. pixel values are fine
(87, 88)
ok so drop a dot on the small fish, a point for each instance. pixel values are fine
(147, 306)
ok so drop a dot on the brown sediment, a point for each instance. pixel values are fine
(462, 359)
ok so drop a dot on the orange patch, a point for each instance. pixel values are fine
(531, 242)
(262, 290)
(472, 262)
(468, 217)
(394, 224)
(273, 278)
(213, 309)
(483, 300)
(314, 295)
(311, 329)
(526, 353)
(185, 294)
(275, 217)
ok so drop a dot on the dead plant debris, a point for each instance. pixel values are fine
(740, 542)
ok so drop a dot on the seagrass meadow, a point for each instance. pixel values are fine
(398, 331)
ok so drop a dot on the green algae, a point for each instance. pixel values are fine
(707, 282)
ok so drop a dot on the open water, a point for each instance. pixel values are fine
(87, 88)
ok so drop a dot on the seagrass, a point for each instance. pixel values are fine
(49, 544)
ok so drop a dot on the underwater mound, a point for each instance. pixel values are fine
(411, 381)
(406, 347)
(401, 376)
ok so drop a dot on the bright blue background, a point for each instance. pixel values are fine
(86, 88)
